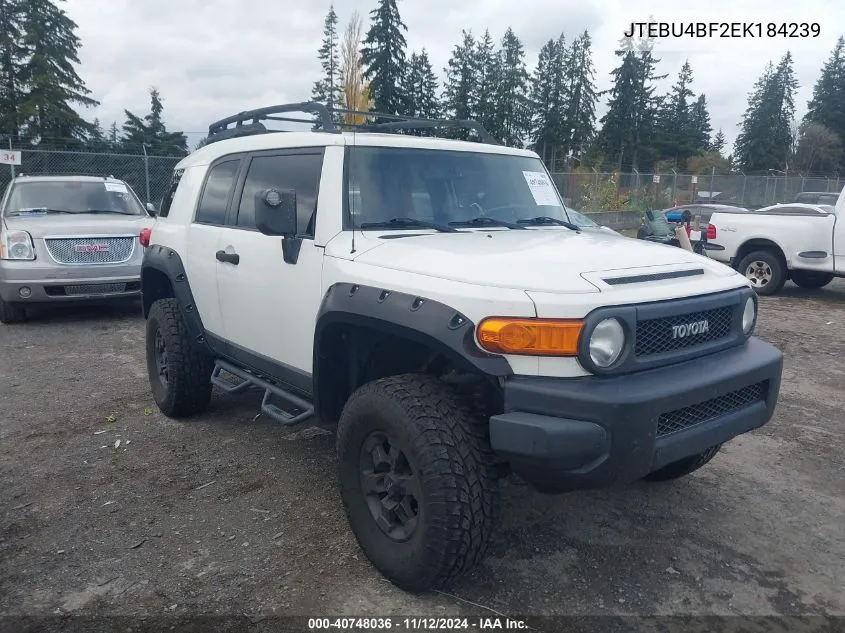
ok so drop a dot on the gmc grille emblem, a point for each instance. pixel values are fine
(91, 248)
(690, 329)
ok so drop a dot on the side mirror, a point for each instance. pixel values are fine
(151, 209)
(275, 212)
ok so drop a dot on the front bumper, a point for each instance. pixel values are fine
(55, 284)
(596, 431)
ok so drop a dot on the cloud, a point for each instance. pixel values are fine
(212, 58)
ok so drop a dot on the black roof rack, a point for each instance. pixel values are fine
(249, 122)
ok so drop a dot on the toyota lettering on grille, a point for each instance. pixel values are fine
(690, 329)
(91, 248)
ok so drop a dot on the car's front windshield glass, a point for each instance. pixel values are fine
(447, 188)
(69, 196)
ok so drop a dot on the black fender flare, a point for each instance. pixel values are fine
(167, 262)
(436, 325)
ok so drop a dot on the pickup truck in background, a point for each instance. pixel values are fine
(804, 243)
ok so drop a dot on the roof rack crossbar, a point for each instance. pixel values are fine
(248, 122)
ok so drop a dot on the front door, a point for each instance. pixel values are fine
(269, 306)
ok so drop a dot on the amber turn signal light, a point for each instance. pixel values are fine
(538, 337)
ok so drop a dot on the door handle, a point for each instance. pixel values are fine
(229, 258)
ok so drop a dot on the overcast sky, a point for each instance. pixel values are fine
(213, 58)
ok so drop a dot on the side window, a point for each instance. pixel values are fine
(215, 195)
(171, 191)
(300, 172)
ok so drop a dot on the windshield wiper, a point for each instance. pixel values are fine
(542, 220)
(409, 223)
(485, 221)
(106, 211)
(35, 210)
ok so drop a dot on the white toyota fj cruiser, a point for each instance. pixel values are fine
(431, 298)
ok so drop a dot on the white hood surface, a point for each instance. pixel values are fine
(539, 260)
(78, 224)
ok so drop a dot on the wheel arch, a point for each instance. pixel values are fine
(363, 333)
(761, 244)
(163, 276)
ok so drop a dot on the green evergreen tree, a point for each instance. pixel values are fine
(766, 138)
(718, 143)
(460, 89)
(542, 101)
(113, 136)
(827, 106)
(512, 107)
(52, 83)
(12, 53)
(487, 73)
(700, 125)
(580, 97)
(329, 88)
(675, 137)
(383, 56)
(151, 132)
(420, 87)
(97, 140)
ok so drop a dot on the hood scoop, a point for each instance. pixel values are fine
(638, 279)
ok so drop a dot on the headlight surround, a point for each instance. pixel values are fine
(607, 342)
(749, 316)
(16, 245)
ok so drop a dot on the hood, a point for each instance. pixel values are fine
(541, 260)
(81, 224)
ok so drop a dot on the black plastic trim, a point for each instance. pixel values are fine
(635, 279)
(565, 411)
(628, 316)
(279, 372)
(168, 262)
(813, 255)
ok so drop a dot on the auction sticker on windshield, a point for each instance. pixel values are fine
(541, 188)
(116, 187)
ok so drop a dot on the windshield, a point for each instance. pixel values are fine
(579, 218)
(447, 187)
(69, 196)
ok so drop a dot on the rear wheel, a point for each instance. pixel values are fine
(810, 279)
(11, 312)
(765, 270)
(685, 466)
(417, 479)
(179, 369)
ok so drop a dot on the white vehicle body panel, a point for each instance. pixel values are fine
(269, 307)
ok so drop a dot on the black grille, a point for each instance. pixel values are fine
(681, 419)
(656, 336)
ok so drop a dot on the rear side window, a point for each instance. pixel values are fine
(215, 195)
(300, 172)
(167, 200)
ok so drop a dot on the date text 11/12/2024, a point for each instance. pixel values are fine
(415, 624)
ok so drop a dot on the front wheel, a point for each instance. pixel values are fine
(810, 279)
(685, 466)
(417, 480)
(765, 270)
(179, 369)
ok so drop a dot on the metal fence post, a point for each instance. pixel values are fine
(712, 178)
(674, 185)
(11, 167)
(742, 195)
(146, 169)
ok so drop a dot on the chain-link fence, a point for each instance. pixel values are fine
(597, 191)
(149, 176)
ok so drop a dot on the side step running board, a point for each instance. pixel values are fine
(273, 410)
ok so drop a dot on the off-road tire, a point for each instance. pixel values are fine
(684, 467)
(11, 312)
(187, 390)
(810, 279)
(448, 450)
(775, 264)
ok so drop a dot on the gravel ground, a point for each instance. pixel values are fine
(233, 515)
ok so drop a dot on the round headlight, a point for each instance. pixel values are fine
(607, 342)
(20, 250)
(749, 316)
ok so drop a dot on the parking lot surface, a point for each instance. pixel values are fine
(107, 507)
